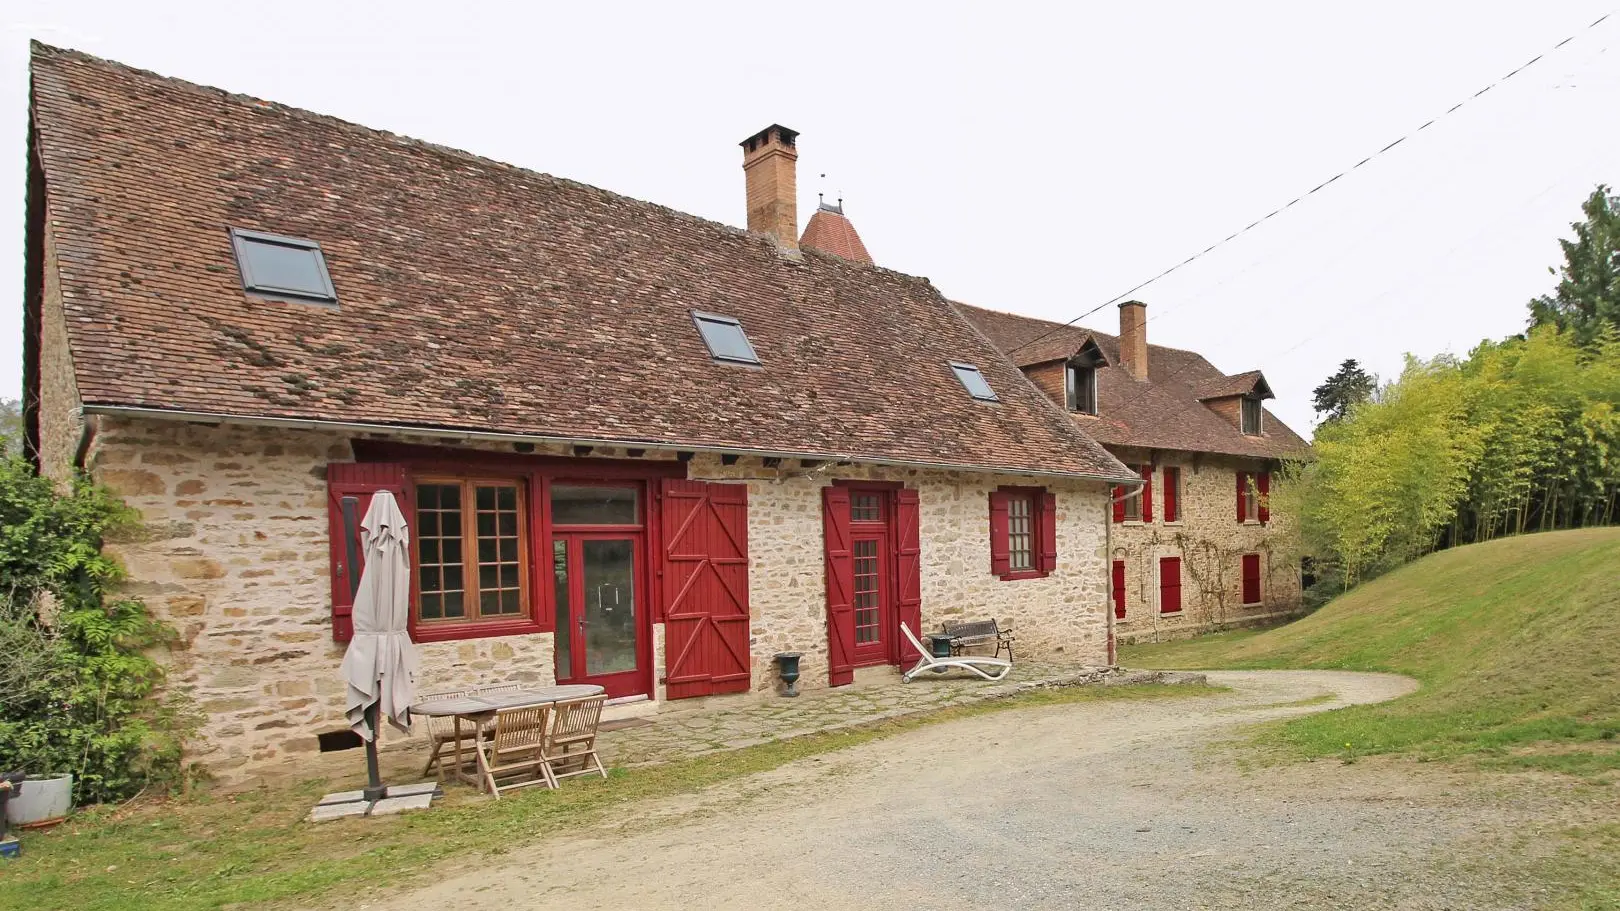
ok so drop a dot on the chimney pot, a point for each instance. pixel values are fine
(770, 165)
(1133, 350)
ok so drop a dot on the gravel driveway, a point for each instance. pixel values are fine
(1092, 805)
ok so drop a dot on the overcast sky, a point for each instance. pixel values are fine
(1024, 157)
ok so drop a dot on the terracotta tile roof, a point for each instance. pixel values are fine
(831, 232)
(1222, 387)
(478, 296)
(1162, 412)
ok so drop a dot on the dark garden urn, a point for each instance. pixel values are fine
(787, 665)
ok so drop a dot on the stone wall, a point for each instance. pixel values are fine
(61, 425)
(233, 551)
(1211, 543)
(1057, 618)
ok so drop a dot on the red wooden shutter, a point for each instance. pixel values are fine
(1000, 559)
(1242, 488)
(349, 487)
(1147, 492)
(840, 586)
(1264, 482)
(1048, 533)
(908, 599)
(1119, 503)
(1251, 578)
(1169, 585)
(1172, 485)
(1119, 589)
(705, 588)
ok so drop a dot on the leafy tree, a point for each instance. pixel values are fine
(1349, 387)
(1588, 293)
(11, 428)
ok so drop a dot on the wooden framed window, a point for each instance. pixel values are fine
(472, 551)
(1172, 493)
(1080, 388)
(1136, 507)
(1023, 532)
(1169, 585)
(1253, 497)
(1253, 417)
(1251, 580)
(865, 506)
(1133, 506)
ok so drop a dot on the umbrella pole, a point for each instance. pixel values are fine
(374, 790)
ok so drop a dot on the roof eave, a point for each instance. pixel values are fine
(441, 433)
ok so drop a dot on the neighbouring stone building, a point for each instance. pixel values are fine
(637, 448)
(1198, 545)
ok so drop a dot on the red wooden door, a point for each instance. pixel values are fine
(840, 565)
(705, 588)
(1169, 585)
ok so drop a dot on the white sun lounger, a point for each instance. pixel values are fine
(975, 663)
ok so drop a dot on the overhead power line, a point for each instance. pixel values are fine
(1319, 187)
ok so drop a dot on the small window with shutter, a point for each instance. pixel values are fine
(1172, 494)
(1251, 580)
(1023, 532)
(1169, 585)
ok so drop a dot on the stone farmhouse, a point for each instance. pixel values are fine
(638, 448)
(1198, 545)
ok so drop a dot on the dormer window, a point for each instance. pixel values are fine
(1080, 378)
(1080, 387)
(1253, 417)
(974, 382)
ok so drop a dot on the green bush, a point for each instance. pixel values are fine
(78, 689)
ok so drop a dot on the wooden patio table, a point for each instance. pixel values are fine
(480, 709)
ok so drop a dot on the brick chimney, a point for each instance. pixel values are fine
(1133, 339)
(770, 165)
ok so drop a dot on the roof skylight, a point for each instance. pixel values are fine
(283, 267)
(725, 338)
(973, 381)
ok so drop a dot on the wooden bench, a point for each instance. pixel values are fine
(976, 633)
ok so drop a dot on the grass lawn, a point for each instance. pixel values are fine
(1517, 644)
(203, 852)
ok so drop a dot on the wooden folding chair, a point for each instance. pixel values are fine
(571, 745)
(443, 733)
(516, 744)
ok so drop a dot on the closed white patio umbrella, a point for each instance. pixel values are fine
(380, 666)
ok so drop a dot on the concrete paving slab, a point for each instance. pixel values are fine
(329, 811)
(391, 805)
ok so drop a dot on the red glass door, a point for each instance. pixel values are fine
(600, 611)
(873, 593)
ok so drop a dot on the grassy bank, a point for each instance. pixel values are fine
(252, 849)
(1515, 642)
